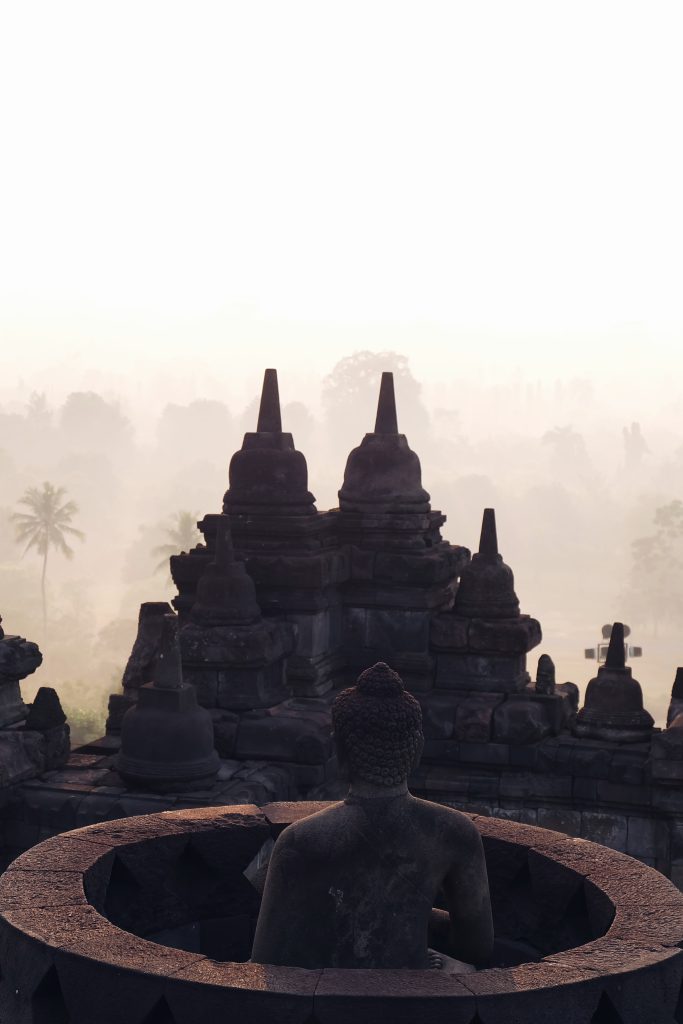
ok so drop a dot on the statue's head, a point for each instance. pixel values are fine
(378, 728)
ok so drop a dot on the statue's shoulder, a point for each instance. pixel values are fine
(315, 829)
(453, 825)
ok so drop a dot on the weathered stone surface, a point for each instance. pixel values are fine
(23, 755)
(504, 636)
(474, 716)
(522, 720)
(140, 665)
(449, 632)
(481, 672)
(297, 730)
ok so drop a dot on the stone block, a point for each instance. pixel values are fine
(620, 793)
(438, 714)
(395, 630)
(355, 628)
(23, 755)
(224, 732)
(504, 636)
(441, 751)
(314, 632)
(591, 760)
(205, 681)
(474, 716)
(485, 753)
(448, 632)
(481, 673)
(627, 768)
(520, 785)
(524, 757)
(606, 829)
(560, 819)
(240, 689)
(522, 720)
(647, 837)
(484, 787)
(291, 732)
(585, 789)
(362, 563)
(558, 787)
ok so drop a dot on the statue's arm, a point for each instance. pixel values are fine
(466, 889)
(276, 926)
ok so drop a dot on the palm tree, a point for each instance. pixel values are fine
(182, 535)
(46, 525)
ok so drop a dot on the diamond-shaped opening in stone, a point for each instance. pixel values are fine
(159, 1014)
(123, 891)
(605, 1012)
(192, 877)
(47, 1002)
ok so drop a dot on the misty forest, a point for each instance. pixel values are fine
(98, 492)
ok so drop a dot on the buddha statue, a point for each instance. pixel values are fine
(354, 885)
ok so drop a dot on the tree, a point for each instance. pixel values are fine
(351, 390)
(657, 568)
(182, 535)
(46, 525)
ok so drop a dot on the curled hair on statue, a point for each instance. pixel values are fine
(378, 727)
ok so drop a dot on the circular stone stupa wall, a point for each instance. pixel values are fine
(149, 920)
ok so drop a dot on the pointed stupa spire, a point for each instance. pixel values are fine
(386, 421)
(615, 652)
(677, 689)
(168, 671)
(223, 553)
(488, 539)
(269, 418)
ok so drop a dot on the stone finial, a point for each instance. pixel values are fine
(168, 670)
(677, 689)
(545, 675)
(140, 665)
(488, 539)
(613, 705)
(269, 416)
(487, 585)
(675, 709)
(386, 421)
(616, 653)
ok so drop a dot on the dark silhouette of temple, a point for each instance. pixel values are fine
(282, 605)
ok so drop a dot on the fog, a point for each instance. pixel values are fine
(489, 194)
(576, 487)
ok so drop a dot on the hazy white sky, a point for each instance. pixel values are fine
(208, 175)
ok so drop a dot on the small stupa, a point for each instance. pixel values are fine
(613, 705)
(383, 472)
(167, 738)
(487, 585)
(235, 656)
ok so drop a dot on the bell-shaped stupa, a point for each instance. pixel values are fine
(166, 737)
(268, 472)
(383, 472)
(613, 705)
(226, 594)
(487, 585)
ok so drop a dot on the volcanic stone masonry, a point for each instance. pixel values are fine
(281, 605)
